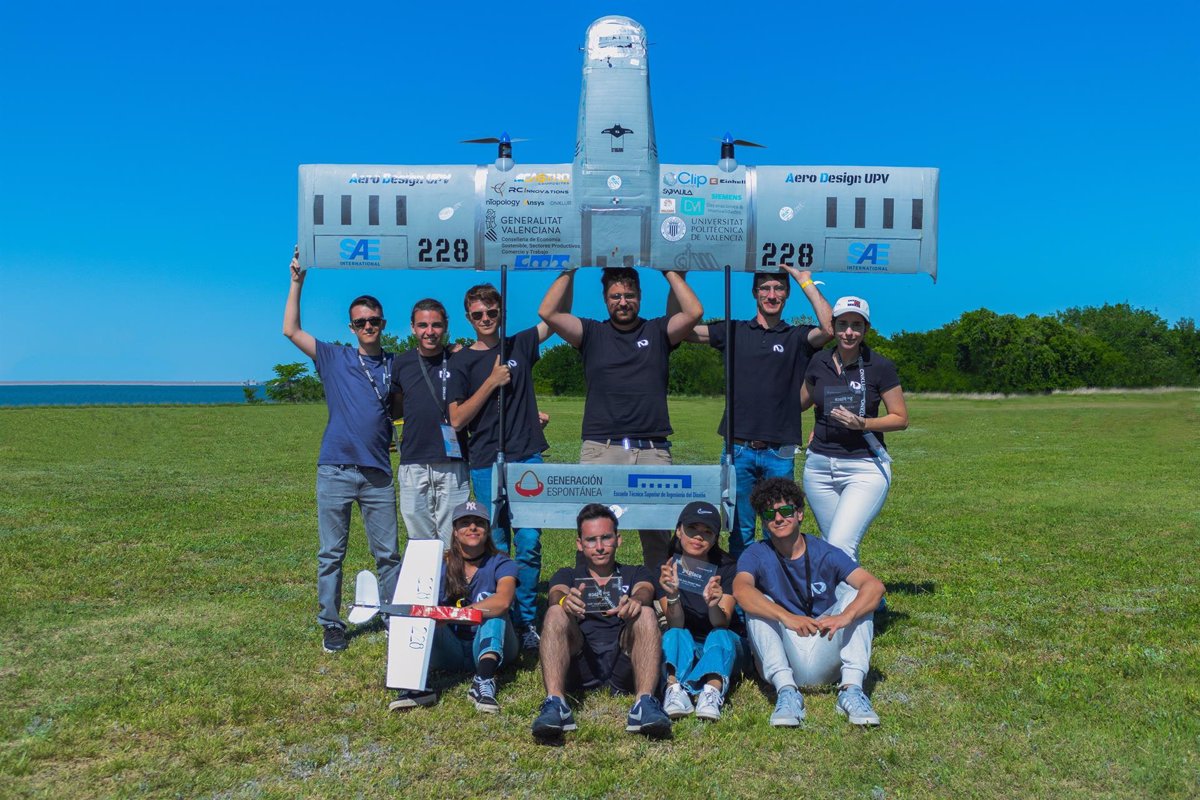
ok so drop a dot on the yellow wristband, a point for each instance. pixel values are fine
(806, 283)
(562, 599)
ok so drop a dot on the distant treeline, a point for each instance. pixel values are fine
(1113, 346)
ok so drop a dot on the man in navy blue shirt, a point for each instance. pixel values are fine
(809, 609)
(625, 364)
(479, 379)
(769, 359)
(600, 630)
(354, 464)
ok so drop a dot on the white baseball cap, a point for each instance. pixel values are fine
(855, 305)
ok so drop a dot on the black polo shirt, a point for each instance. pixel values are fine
(626, 374)
(522, 432)
(424, 411)
(828, 389)
(598, 629)
(768, 368)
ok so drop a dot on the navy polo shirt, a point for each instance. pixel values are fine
(768, 368)
(783, 578)
(829, 390)
(359, 430)
(424, 411)
(523, 435)
(626, 374)
(483, 584)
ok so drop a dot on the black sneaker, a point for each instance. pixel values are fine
(335, 639)
(530, 640)
(411, 698)
(483, 693)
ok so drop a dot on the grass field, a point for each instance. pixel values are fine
(158, 631)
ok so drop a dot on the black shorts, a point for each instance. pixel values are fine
(602, 662)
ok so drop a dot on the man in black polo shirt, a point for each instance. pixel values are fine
(625, 418)
(477, 381)
(770, 357)
(600, 630)
(433, 470)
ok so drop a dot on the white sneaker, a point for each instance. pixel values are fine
(676, 702)
(708, 704)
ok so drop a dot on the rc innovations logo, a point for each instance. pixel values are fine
(529, 485)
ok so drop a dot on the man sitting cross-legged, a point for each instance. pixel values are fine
(796, 590)
(600, 630)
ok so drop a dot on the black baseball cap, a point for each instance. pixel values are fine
(700, 512)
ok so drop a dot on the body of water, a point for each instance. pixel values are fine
(90, 394)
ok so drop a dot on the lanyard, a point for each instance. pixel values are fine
(444, 374)
(806, 599)
(387, 381)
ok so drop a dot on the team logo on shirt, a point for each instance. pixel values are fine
(482, 596)
(777, 348)
(643, 343)
(444, 374)
(818, 587)
(856, 386)
(512, 363)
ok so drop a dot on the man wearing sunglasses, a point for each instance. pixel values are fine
(770, 357)
(478, 381)
(354, 465)
(433, 473)
(625, 365)
(809, 609)
(600, 630)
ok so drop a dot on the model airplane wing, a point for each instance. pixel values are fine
(825, 219)
(410, 639)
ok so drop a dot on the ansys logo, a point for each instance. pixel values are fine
(529, 485)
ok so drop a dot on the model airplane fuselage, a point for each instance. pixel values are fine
(615, 204)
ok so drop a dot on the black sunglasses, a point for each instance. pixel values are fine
(362, 322)
(491, 313)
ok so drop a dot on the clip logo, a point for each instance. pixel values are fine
(643, 343)
(778, 348)
(692, 206)
(512, 363)
(684, 179)
(529, 484)
(818, 587)
(870, 253)
(360, 249)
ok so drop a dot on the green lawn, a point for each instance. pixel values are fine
(159, 638)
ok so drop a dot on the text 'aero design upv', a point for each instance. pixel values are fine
(615, 204)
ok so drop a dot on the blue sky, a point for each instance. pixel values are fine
(149, 153)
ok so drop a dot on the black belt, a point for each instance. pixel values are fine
(758, 444)
(638, 444)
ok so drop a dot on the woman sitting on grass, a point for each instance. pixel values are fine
(695, 588)
(479, 576)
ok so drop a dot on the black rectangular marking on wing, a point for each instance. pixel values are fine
(918, 214)
(401, 209)
(860, 212)
(318, 209)
(830, 212)
(345, 209)
(889, 212)
(373, 209)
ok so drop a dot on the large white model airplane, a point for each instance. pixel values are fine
(615, 204)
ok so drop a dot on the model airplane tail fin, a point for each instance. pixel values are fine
(366, 598)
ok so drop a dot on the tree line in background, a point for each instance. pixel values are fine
(1112, 346)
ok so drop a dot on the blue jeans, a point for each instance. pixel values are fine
(528, 543)
(338, 487)
(845, 494)
(752, 466)
(453, 654)
(690, 660)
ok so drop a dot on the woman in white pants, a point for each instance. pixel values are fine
(847, 471)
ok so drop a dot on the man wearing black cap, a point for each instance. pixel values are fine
(600, 630)
(770, 357)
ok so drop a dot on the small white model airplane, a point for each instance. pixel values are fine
(411, 614)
